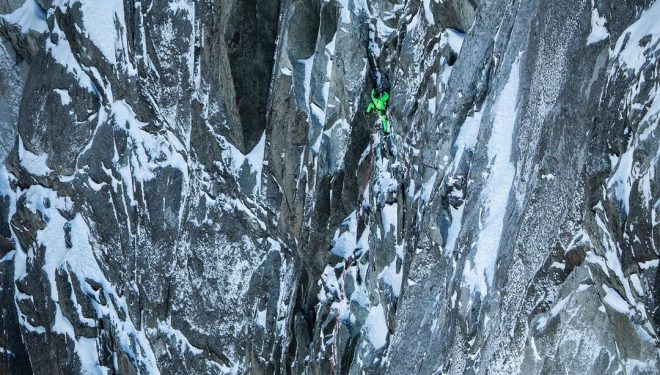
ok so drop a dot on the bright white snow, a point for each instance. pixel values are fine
(614, 300)
(376, 326)
(33, 163)
(598, 30)
(455, 39)
(631, 53)
(344, 242)
(99, 19)
(30, 17)
(65, 99)
(478, 272)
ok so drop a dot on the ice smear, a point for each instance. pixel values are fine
(339, 134)
(554, 311)
(344, 12)
(307, 64)
(454, 228)
(455, 39)
(622, 179)
(478, 273)
(465, 141)
(428, 14)
(467, 137)
(635, 366)
(255, 159)
(260, 319)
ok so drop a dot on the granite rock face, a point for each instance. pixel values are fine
(194, 187)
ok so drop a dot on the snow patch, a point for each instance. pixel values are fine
(99, 20)
(428, 14)
(65, 99)
(344, 12)
(614, 300)
(389, 218)
(29, 17)
(454, 228)
(630, 53)
(598, 30)
(427, 187)
(467, 136)
(478, 272)
(255, 159)
(261, 318)
(33, 163)
(455, 39)
(344, 241)
(648, 264)
(548, 176)
(376, 327)
(390, 277)
(622, 179)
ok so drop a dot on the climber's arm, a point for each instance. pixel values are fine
(385, 96)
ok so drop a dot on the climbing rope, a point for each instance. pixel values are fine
(360, 208)
(335, 330)
(378, 79)
(347, 263)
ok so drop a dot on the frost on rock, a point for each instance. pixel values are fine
(195, 187)
(478, 274)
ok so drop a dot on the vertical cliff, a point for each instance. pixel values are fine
(194, 187)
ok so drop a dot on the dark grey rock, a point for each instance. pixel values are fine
(194, 187)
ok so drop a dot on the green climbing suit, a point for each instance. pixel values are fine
(380, 104)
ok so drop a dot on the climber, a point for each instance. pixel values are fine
(379, 102)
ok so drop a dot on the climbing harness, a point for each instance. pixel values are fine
(379, 103)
